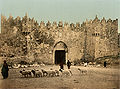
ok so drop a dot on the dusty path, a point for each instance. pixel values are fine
(96, 78)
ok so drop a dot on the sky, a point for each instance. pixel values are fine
(70, 11)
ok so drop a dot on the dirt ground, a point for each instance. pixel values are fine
(95, 78)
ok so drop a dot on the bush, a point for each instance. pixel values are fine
(23, 63)
(77, 62)
(110, 60)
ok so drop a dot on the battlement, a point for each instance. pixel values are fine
(77, 24)
(30, 24)
(60, 23)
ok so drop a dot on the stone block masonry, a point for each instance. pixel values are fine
(54, 43)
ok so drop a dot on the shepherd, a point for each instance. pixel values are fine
(68, 64)
(105, 64)
(61, 66)
(5, 70)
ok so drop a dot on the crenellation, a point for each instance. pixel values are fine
(60, 24)
(109, 21)
(83, 24)
(66, 25)
(17, 18)
(103, 21)
(115, 22)
(54, 25)
(96, 20)
(42, 24)
(77, 25)
(72, 26)
(86, 22)
(48, 24)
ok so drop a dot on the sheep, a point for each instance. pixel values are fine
(66, 72)
(85, 64)
(23, 66)
(54, 72)
(50, 73)
(16, 66)
(82, 71)
(57, 73)
(36, 65)
(44, 72)
(26, 73)
(37, 73)
(42, 64)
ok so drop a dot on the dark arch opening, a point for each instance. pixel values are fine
(60, 54)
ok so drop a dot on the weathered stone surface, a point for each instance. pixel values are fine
(90, 40)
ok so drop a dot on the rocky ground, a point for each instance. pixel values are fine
(95, 78)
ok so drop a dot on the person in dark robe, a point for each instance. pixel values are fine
(68, 64)
(61, 65)
(5, 70)
(105, 64)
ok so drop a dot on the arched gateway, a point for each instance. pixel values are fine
(60, 53)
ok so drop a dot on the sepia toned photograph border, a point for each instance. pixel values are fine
(60, 44)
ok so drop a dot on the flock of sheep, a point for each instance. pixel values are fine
(45, 73)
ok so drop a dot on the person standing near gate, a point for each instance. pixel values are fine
(68, 64)
(105, 64)
(61, 65)
(5, 70)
